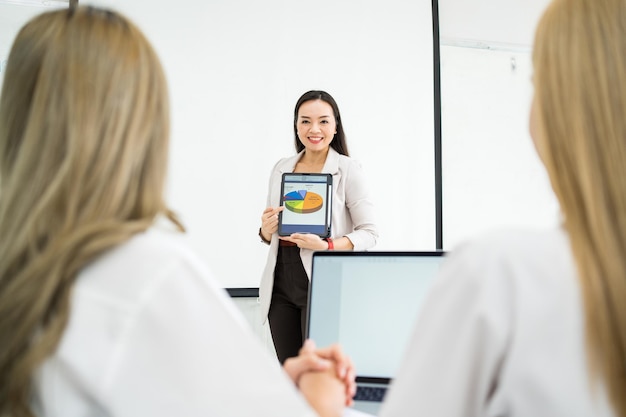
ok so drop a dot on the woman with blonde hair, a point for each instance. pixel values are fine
(534, 323)
(104, 310)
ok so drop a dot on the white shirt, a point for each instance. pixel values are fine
(151, 334)
(501, 334)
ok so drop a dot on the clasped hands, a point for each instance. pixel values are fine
(322, 371)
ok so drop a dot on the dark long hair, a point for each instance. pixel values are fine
(339, 142)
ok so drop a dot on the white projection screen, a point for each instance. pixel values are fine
(235, 69)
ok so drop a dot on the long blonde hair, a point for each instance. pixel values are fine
(580, 77)
(84, 131)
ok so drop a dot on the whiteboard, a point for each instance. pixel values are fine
(492, 176)
(235, 69)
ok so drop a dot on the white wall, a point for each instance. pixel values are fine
(250, 308)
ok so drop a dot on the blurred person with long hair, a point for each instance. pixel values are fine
(533, 323)
(104, 309)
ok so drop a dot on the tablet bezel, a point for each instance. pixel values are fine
(322, 230)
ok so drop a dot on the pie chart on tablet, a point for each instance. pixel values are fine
(303, 202)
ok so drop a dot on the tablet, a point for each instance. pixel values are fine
(307, 202)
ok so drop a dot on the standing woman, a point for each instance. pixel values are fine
(321, 148)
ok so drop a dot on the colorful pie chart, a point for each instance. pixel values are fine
(303, 202)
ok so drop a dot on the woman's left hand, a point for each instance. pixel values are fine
(307, 241)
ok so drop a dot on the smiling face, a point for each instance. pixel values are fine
(316, 125)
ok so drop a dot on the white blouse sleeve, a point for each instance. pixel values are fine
(458, 343)
(188, 352)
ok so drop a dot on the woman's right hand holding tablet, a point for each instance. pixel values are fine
(269, 221)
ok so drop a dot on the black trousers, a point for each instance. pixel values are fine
(287, 314)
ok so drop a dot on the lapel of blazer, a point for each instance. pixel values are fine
(331, 166)
(287, 165)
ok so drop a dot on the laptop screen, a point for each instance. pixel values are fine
(368, 302)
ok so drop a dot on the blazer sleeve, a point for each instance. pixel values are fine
(361, 208)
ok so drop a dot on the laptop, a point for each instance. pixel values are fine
(368, 302)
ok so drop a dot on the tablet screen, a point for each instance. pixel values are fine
(307, 202)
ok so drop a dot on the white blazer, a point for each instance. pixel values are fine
(353, 213)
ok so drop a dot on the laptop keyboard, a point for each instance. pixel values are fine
(370, 393)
